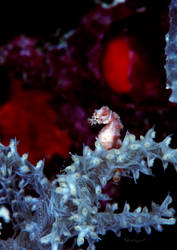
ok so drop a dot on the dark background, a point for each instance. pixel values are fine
(42, 21)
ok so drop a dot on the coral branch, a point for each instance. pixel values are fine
(170, 51)
(69, 205)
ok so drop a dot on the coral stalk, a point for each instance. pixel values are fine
(69, 206)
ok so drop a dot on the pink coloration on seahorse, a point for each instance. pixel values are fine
(109, 136)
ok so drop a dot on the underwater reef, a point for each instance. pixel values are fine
(54, 75)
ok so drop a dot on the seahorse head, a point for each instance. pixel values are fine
(101, 116)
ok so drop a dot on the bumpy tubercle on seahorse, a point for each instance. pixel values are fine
(109, 136)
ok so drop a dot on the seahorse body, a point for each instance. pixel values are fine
(109, 136)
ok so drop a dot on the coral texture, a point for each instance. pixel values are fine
(171, 52)
(69, 206)
(36, 128)
(125, 43)
(113, 56)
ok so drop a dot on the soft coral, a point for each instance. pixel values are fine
(29, 117)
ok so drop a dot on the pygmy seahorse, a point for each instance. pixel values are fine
(109, 136)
